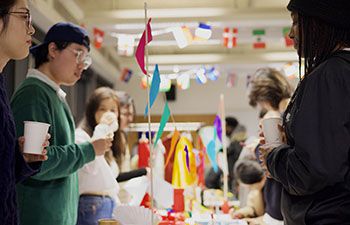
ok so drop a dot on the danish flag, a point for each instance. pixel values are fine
(230, 37)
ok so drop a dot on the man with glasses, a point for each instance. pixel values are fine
(51, 196)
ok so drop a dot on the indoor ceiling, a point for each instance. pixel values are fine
(122, 17)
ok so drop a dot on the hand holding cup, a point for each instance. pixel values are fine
(35, 139)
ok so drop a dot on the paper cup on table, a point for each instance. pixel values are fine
(108, 222)
(271, 131)
(34, 135)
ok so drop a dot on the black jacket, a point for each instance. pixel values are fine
(314, 166)
(13, 168)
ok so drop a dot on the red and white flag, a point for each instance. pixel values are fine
(230, 37)
(98, 37)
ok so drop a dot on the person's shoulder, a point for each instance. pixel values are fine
(31, 91)
(335, 68)
(32, 87)
(338, 60)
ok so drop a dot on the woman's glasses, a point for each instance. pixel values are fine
(26, 15)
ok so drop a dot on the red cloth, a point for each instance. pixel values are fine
(146, 201)
(144, 153)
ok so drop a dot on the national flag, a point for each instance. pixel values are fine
(98, 37)
(259, 42)
(230, 37)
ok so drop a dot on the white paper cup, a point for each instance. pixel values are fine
(34, 135)
(271, 131)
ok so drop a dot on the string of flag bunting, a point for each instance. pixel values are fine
(183, 36)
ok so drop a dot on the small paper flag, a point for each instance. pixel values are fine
(174, 140)
(126, 44)
(203, 32)
(140, 51)
(154, 88)
(183, 81)
(165, 84)
(211, 152)
(217, 125)
(200, 76)
(182, 35)
(98, 37)
(163, 121)
(259, 43)
(212, 74)
(126, 75)
(230, 37)
(231, 80)
(212, 155)
(187, 159)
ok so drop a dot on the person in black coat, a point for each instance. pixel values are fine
(15, 39)
(313, 164)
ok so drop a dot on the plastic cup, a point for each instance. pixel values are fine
(34, 135)
(108, 222)
(271, 131)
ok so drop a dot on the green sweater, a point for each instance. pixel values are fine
(51, 196)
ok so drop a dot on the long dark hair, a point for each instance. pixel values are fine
(89, 123)
(5, 6)
(318, 40)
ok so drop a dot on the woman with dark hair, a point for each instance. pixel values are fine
(98, 180)
(15, 39)
(98, 187)
(313, 164)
